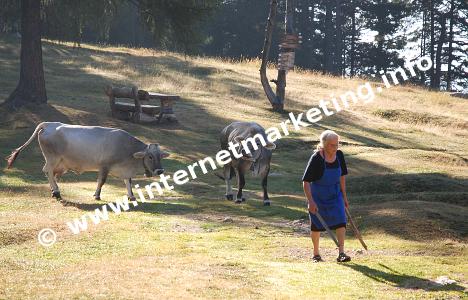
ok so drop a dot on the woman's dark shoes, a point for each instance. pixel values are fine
(317, 258)
(343, 258)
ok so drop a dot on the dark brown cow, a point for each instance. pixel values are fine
(254, 154)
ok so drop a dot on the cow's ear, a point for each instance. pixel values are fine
(139, 155)
(270, 146)
(164, 154)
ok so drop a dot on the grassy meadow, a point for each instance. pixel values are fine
(407, 154)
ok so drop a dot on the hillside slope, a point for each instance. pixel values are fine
(407, 153)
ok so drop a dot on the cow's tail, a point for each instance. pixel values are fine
(232, 173)
(12, 157)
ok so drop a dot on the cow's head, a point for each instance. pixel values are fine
(152, 157)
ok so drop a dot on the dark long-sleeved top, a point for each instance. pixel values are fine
(314, 169)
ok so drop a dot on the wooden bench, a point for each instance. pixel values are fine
(138, 112)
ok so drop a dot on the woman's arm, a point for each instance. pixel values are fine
(310, 200)
(343, 190)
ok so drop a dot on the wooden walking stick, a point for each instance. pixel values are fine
(355, 229)
(330, 233)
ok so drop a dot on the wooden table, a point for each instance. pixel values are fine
(137, 111)
(166, 107)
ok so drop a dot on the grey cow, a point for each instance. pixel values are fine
(253, 136)
(93, 148)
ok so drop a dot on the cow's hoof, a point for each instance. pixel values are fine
(266, 202)
(56, 195)
(238, 201)
(97, 197)
(132, 198)
(243, 199)
(229, 197)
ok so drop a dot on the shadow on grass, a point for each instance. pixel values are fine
(9, 188)
(368, 136)
(375, 184)
(155, 208)
(401, 280)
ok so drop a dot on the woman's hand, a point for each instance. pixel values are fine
(312, 207)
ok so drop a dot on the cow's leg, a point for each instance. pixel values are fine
(128, 184)
(240, 186)
(227, 180)
(48, 169)
(51, 161)
(100, 182)
(266, 199)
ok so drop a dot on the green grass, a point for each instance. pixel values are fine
(407, 154)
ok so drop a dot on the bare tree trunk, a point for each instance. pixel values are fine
(328, 57)
(353, 41)
(338, 68)
(265, 53)
(440, 44)
(450, 49)
(31, 86)
(281, 79)
(313, 27)
(423, 38)
(432, 74)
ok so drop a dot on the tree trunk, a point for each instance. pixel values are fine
(338, 68)
(353, 41)
(423, 38)
(450, 49)
(265, 53)
(440, 44)
(327, 52)
(78, 25)
(312, 26)
(432, 74)
(31, 86)
(281, 79)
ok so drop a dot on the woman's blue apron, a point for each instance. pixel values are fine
(329, 199)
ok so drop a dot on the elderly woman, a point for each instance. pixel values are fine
(325, 188)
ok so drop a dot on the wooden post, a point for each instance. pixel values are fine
(110, 94)
(137, 113)
(281, 80)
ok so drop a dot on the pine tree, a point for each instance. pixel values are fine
(31, 85)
